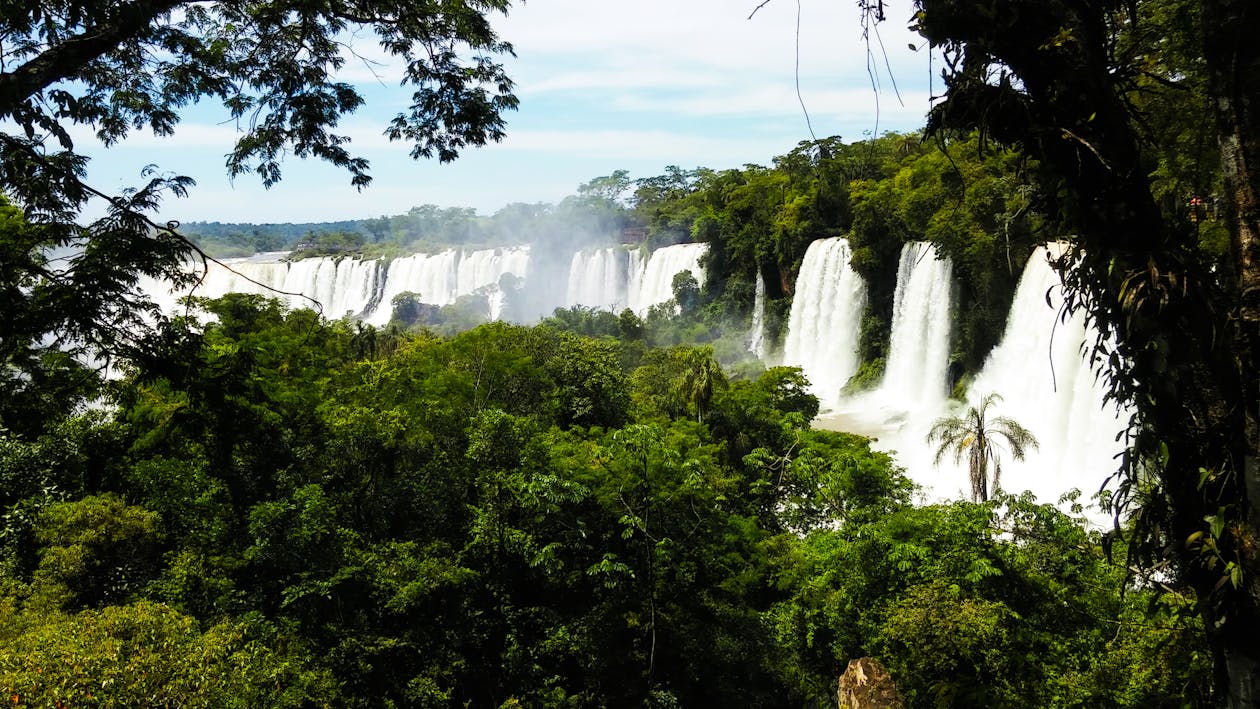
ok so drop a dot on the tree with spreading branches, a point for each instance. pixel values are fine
(115, 68)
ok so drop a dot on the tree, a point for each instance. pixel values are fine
(1069, 82)
(980, 438)
(701, 377)
(115, 68)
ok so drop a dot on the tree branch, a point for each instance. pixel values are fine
(66, 58)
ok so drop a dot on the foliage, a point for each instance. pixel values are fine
(1122, 104)
(981, 437)
(147, 653)
(114, 69)
(289, 516)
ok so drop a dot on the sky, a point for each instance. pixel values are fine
(602, 86)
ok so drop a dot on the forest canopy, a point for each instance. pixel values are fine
(268, 508)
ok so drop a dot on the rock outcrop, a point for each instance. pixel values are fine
(866, 684)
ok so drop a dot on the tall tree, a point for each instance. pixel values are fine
(1066, 81)
(980, 437)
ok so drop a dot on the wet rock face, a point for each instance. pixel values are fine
(866, 684)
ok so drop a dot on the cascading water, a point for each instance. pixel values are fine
(478, 269)
(1042, 371)
(431, 276)
(918, 349)
(610, 278)
(483, 271)
(1045, 383)
(826, 316)
(655, 286)
(599, 278)
(340, 286)
(757, 333)
(914, 386)
(439, 279)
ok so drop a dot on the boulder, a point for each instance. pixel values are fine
(866, 684)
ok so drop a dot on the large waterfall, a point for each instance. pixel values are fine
(918, 350)
(1038, 369)
(656, 284)
(608, 278)
(599, 278)
(826, 317)
(1041, 369)
(339, 286)
(359, 288)
(432, 277)
(441, 278)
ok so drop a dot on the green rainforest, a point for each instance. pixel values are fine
(243, 504)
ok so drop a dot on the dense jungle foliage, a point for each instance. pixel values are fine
(270, 509)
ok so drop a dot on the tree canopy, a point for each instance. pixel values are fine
(273, 512)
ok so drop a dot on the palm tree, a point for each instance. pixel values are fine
(702, 377)
(980, 438)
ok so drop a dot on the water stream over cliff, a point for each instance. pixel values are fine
(1038, 369)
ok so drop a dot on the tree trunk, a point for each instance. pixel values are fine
(1231, 30)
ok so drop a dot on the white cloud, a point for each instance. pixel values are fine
(604, 85)
(710, 35)
(636, 145)
(779, 101)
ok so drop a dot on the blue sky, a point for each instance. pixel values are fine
(603, 86)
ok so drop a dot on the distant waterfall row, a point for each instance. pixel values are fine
(610, 278)
(1037, 369)
(614, 278)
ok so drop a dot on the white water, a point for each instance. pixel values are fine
(599, 278)
(826, 316)
(441, 278)
(757, 333)
(340, 286)
(1041, 371)
(606, 278)
(349, 286)
(1045, 384)
(431, 276)
(918, 350)
(655, 285)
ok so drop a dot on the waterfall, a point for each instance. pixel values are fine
(825, 320)
(485, 267)
(1041, 370)
(431, 276)
(599, 278)
(1038, 369)
(484, 270)
(918, 351)
(655, 285)
(439, 279)
(341, 286)
(757, 333)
